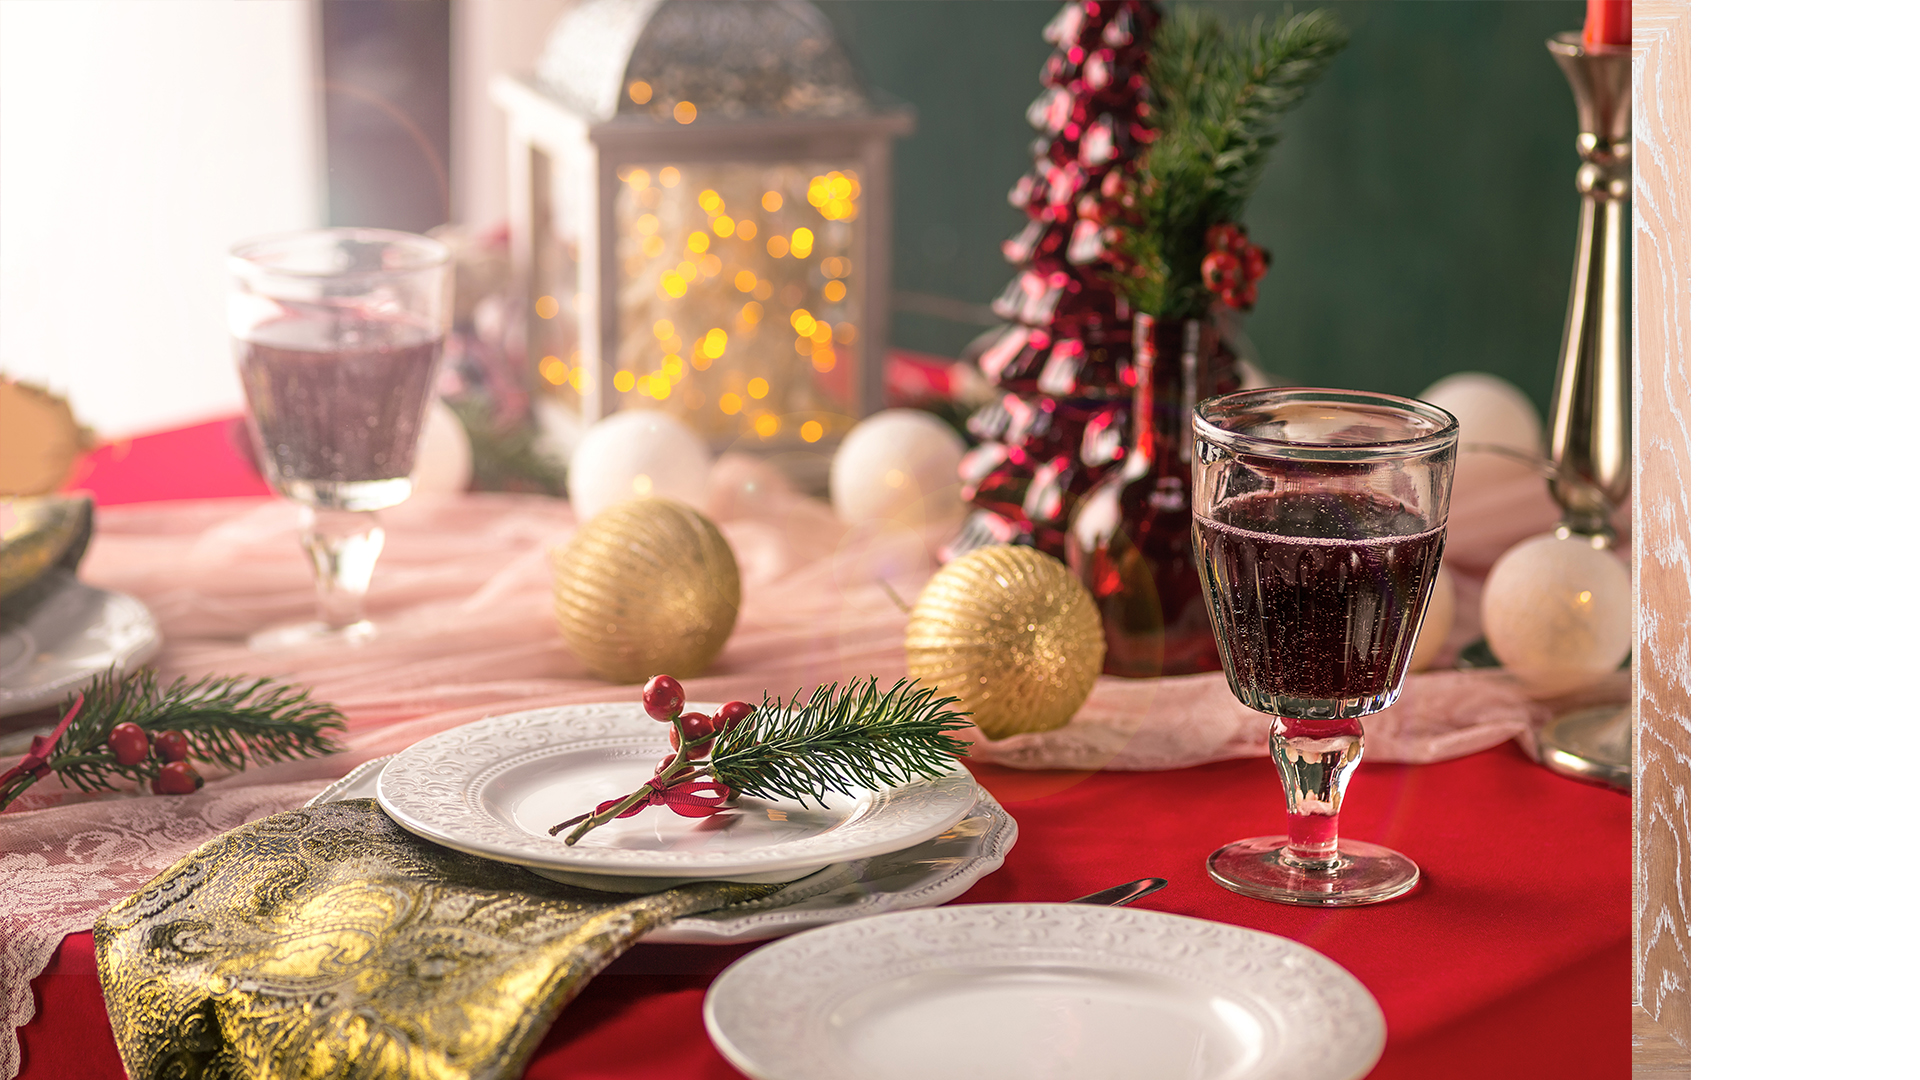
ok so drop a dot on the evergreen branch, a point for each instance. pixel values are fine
(232, 721)
(842, 739)
(1217, 98)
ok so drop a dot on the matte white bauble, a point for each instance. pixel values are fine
(1438, 624)
(443, 460)
(900, 465)
(1558, 613)
(637, 453)
(1490, 410)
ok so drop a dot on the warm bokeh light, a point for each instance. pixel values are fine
(647, 225)
(766, 425)
(711, 202)
(652, 246)
(802, 321)
(723, 226)
(669, 177)
(659, 386)
(685, 112)
(715, 343)
(777, 246)
(697, 242)
(637, 178)
(811, 431)
(553, 369)
(846, 333)
(687, 270)
(770, 201)
(546, 307)
(639, 90)
(802, 243)
(663, 329)
(822, 334)
(731, 403)
(757, 388)
(835, 291)
(710, 265)
(747, 230)
(577, 378)
(745, 281)
(751, 313)
(673, 285)
(623, 381)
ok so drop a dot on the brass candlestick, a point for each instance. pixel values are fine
(1589, 447)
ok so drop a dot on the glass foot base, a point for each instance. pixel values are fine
(312, 633)
(1366, 874)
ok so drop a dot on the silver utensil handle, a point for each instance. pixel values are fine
(1123, 894)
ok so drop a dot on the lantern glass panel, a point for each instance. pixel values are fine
(554, 326)
(739, 309)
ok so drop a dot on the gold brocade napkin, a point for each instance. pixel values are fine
(328, 942)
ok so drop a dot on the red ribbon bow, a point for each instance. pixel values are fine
(38, 751)
(698, 798)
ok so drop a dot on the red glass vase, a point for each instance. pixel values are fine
(1131, 539)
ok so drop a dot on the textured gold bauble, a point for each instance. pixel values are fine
(647, 587)
(1012, 633)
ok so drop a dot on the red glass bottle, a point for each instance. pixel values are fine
(1131, 540)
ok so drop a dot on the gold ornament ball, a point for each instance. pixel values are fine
(647, 587)
(1012, 633)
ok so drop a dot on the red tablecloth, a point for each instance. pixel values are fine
(1511, 959)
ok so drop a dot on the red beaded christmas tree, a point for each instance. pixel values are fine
(1063, 364)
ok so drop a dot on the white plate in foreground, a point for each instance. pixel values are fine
(1033, 991)
(494, 787)
(931, 872)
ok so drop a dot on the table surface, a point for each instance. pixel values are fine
(1510, 959)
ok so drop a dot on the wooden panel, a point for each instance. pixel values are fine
(1662, 545)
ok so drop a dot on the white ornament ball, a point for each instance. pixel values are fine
(637, 453)
(1438, 624)
(1490, 410)
(900, 465)
(443, 460)
(1558, 613)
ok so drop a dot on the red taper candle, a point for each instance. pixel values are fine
(1609, 22)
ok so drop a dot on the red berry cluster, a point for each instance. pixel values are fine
(130, 745)
(1233, 266)
(664, 700)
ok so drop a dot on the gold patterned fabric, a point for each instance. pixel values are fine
(328, 942)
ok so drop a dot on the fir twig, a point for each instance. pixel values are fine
(840, 739)
(231, 722)
(1217, 97)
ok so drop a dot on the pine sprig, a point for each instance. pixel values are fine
(841, 739)
(1217, 96)
(231, 722)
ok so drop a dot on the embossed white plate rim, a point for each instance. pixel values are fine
(772, 1012)
(856, 889)
(53, 640)
(429, 789)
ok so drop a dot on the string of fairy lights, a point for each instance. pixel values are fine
(713, 256)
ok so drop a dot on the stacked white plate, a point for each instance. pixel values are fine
(494, 788)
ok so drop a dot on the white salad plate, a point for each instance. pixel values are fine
(71, 635)
(1032, 991)
(925, 874)
(494, 787)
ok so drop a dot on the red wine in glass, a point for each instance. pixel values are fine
(1319, 517)
(338, 400)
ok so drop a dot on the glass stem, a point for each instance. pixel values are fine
(343, 545)
(1315, 758)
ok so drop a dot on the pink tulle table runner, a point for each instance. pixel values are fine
(462, 597)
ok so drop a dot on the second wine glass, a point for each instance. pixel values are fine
(1319, 516)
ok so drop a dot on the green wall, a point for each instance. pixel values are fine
(1420, 208)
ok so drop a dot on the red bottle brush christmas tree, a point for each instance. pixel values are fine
(1063, 364)
(1180, 256)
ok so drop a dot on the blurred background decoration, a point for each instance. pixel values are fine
(1416, 216)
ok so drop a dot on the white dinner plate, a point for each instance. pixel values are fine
(1033, 991)
(925, 874)
(494, 787)
(71, 635)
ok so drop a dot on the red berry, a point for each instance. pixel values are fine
(730, 715)
(172, 746)
(663, 697)
(699, 730)
(176, 777)
(129, 743)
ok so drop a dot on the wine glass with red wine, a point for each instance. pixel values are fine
(1319, 516)
(337, 334)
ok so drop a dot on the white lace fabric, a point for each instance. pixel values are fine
(462, 597)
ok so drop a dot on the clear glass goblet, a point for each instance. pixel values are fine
(337, 334)
(1320, 516)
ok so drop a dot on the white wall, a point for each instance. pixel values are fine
(490, 37)
(138, 140)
